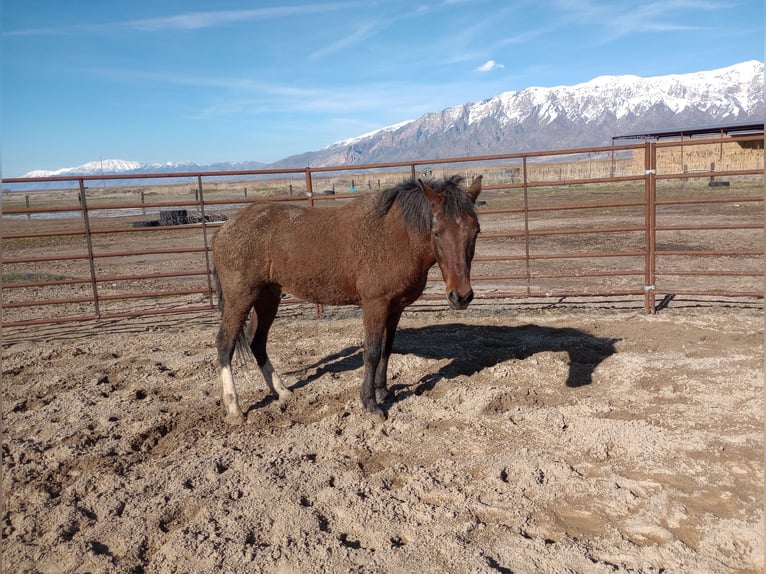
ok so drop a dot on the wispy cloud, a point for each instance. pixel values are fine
(616, 20)
(190, 20)
(489, 65)
(234, 95)
(232, 84)
(199, 20)
(524, 37)
(360, 33)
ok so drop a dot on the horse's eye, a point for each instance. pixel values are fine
(436, 234)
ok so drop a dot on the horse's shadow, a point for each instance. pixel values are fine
(471, 348)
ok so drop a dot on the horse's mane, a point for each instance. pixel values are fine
(415, 208)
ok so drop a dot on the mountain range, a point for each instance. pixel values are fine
(532, 119)
(121, 166)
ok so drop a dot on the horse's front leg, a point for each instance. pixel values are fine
(381, 373)
(375, 320)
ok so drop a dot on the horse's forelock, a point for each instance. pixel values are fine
(456, 201)
(415, 208)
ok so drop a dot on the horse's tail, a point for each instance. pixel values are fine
(242, 345)
(218, 290)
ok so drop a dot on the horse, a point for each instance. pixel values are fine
(374, 251)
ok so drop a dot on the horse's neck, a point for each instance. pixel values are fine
(420, 248)
(392, 234)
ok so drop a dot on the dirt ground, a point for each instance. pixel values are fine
(519, 439)
(522, 436)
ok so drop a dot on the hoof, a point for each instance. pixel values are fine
(378, 417)
(375, 412)
(234, 419)
(284, 394)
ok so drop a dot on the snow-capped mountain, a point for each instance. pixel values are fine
(582, 115)
(127, 167)
(532, 119)
(121, 166)
(353, 140)
(90, 168)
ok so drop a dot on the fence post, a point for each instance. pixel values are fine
(89, 243)
(650, 193)
(527, 270)
(204, 239)
(309, 187)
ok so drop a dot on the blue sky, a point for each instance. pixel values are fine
(210, 81)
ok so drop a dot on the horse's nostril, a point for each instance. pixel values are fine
(460, 302)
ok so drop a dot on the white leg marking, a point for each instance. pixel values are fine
(274, 381)
(230, 399)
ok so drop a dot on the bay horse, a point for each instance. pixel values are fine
(374, 251)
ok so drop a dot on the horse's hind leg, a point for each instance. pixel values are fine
(265, 307)
(234, 316)
(381, 373)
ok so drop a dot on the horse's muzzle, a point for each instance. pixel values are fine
(459, 302)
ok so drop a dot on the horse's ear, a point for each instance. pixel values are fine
(475, 188)
(433, 197)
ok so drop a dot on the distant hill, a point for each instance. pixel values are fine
(126, 167)
(121, 166)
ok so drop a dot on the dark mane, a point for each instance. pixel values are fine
(414, 205)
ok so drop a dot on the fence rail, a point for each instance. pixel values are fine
(603, 221)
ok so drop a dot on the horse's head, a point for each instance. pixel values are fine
(453, 238)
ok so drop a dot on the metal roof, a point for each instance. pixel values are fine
(738, 129)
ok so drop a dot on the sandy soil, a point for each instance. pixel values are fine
(518, 440)
(578, 438)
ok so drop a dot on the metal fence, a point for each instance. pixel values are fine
(649, 220)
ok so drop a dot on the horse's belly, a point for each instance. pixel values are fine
(321, 290)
